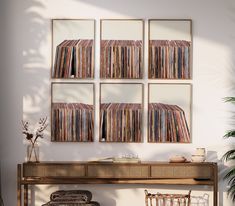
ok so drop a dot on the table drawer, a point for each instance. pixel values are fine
(118, 171)
(168, 171)
(34, 170)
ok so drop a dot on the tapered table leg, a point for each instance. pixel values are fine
(215, 186)
(25, 195)
(19, 192)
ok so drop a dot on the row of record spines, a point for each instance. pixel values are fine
(75, 121)
(169, 59)
(167, 123)
(120, 122)
(121, 59)
(74, 59)
(72, 122)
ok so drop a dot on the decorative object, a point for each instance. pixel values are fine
(33, 152)
(73, 48)
(121, 54)
(167, 199)
(72, 112)
(199, 155)
(170, 42)
(198, 158)
(177, 158)
(33, 149)
(200, 151)
(121, 112)
(229, 156)
(123, 159)
(169, 113)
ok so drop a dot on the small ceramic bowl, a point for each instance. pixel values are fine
(198, 158)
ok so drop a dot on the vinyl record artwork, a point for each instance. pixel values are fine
(121, 49)
(170, 49)
(73, 48)
(169, 113)
(121, 111)
(72, 112)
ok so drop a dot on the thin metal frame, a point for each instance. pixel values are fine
(190, 110)
(142, 108)
(52, 38)
(191, 48)
(143, 32)
(60, 83)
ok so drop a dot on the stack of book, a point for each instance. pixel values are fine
(169, 59)
(120, 122)
(72, 122)
(121, 59)
(71, 198)
(167, 123)
(74, 59)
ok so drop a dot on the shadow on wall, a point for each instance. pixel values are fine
(36, 73)
(23, 75)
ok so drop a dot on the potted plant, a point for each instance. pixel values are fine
(230, 156)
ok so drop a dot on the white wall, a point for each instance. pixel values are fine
(25, 85)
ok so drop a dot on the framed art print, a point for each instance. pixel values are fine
(170, 49)
(169, 113)
(121, 49)
(121, 111)
(73, 48)
(72, 112)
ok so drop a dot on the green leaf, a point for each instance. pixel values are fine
(229, 99)
(229, 155)
(230, 133)
(231, 180)
(230, 174)
(231, 192)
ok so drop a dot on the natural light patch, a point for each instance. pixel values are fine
(33, 103)
(30, 104)
(43, 193)
(33, 65)
(71, 6)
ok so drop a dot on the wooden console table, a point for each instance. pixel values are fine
(115, 173)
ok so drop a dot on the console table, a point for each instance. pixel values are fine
(115, 173)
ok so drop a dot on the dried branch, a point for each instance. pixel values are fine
(25, 125)
(42, 127)
(39, 132)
